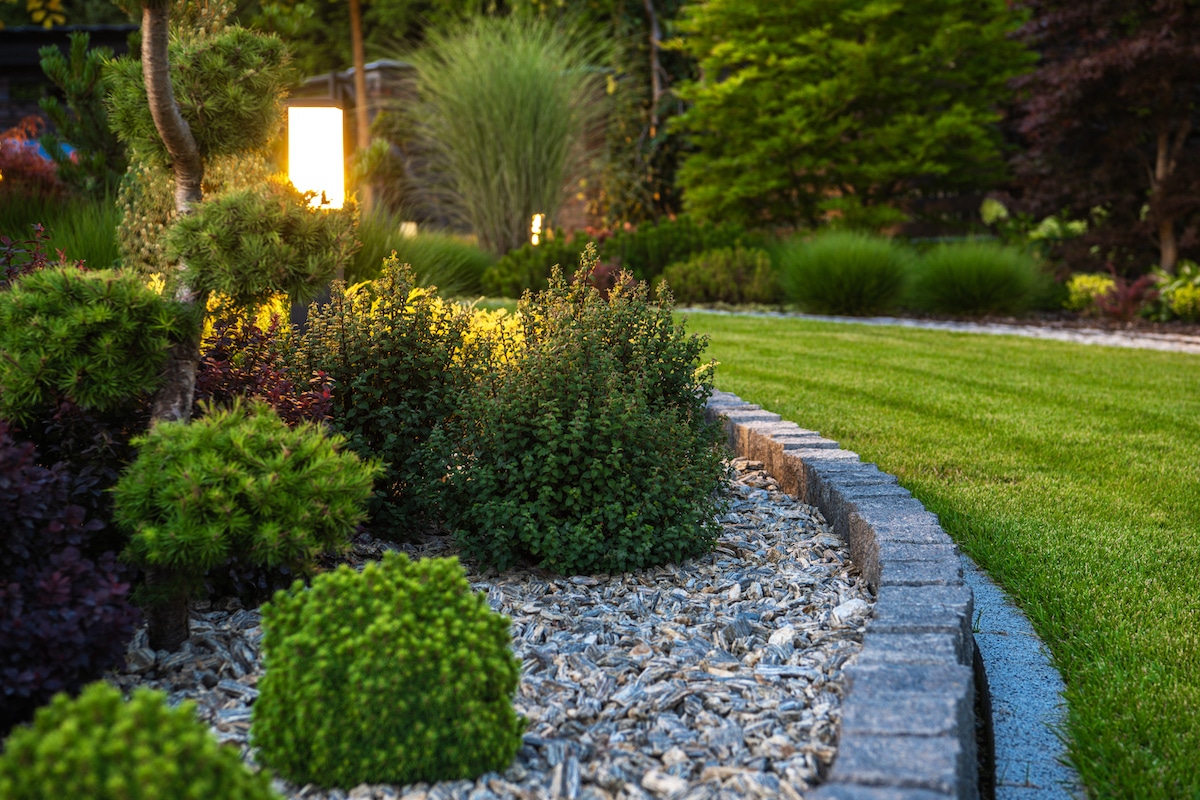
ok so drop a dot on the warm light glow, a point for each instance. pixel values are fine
(316, 161)
(408, 230)
(535, 229)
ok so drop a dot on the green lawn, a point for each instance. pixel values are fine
(1070, 473)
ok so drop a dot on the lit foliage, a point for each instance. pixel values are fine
(397, 674)
(239, 483)
(1083, 290)
(589, 451)
(104, 748)
(391, 350)
(228, 87)
(98, 339)
(814, 106)
(251, 244)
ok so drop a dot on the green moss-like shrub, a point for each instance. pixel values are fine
(252, 244)
(97, 339)
(728, 275)
(1185, 303)
(974, 278)
(648, 249)
(842, 272)
(390, 350)
(528, 267)
(396, 674)
(103, 748)
(587, 450)
(239, 480)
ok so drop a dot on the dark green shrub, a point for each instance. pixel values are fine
(389, 349)
(95, 338)
(528, 267)
(454, 266)
(103, 748)
(647, 250)
(724, 276)
(396, 674)
(587, 450)
(842, 272)
(237, 483)
(974, 278)
(252, 244)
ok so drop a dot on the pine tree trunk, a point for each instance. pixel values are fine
(167, 612)
(174, 400)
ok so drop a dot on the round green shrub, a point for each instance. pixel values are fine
(974, 278)
(843, 272)
(1185, 303)
(1084, 289)
(102, 748)
(396, 674)
(239, 483)
(727, 275)
(588, 451)
(97, 339)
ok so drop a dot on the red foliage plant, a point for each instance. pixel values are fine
(1111, 121)
(22, 169)
(1126, 299)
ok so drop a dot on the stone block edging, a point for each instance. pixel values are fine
(908, 716)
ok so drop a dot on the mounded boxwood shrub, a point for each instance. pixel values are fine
(728, 275)
(65, 615)
(390, 349)
(588, 451)
(101, 747)
(843, 272)
(97, 339)
(648, 249)
(396, 674)
(236, 483)
(974, 278)
(528, 267)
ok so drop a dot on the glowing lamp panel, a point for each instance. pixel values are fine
(315, 160)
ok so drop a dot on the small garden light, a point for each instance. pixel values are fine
(535, 229)
(316, 155)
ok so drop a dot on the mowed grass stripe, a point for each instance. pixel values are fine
(1071, 473)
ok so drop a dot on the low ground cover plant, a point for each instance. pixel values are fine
(973, 278)
(236, 483)
(843, 272)
(729, 275)
(397, 674)
(104, 748)
(588, 451)
(1068, 472)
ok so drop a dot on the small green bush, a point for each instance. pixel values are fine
(974, 278)
(587, 450)
(389, 348)
(396, 674)
(1178, 293)
(252, 244)
(239, 483)
(1185, 303)
(528, 267)
(647, 250)
(1083, 290)
(443, 260)
(97, 339)
(102, 748)
(724, 276)
(842, 272)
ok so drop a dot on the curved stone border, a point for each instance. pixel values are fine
(908, 717)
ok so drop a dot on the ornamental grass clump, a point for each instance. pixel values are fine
(974, 278)
(101, 747)
(842, 272)
(588, 450)
(237, 483)
(397, 674)
(98, 339)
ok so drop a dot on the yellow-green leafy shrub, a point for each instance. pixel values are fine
(1185, 303)
(396, 674)
(100, 747)
(97, 339)
(728, 275)
(1083, 290)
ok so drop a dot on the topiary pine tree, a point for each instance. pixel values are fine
(853, 106)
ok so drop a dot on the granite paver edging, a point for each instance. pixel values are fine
(908, 716)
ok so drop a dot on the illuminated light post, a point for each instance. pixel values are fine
(316, 153)
(535, 229)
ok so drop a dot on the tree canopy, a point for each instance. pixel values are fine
(814, 106)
